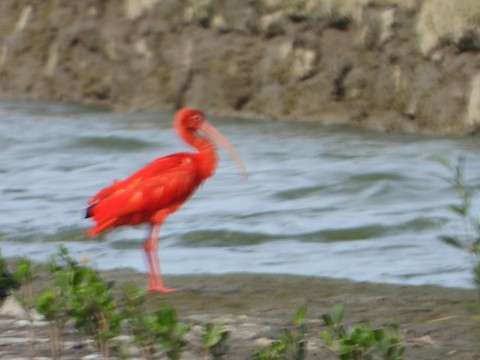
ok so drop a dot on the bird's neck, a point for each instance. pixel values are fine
(207, 154)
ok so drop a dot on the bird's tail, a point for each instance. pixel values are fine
(99, 227)
(89, 211)
(92, 231)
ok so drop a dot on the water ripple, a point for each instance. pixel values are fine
(316, 196)
(110, 143)
(218, 238)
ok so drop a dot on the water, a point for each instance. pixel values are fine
(321, 201)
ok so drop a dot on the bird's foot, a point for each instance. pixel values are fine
(160, 289)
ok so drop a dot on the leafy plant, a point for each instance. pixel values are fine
(169, 331)
(94, 308)
(360, 342)
(138, 321)
(24, 274)
(55, 302)
(160, 329)
(469, 238)
(50, 303)
(78, 292)
(291, 343)
(214, 339)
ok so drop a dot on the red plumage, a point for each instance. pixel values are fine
(163, 184)
(152, 193)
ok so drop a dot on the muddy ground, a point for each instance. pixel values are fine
(436, 322)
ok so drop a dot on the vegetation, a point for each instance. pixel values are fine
(360, 342)
(291, 343)
(214, 339)
(468, 237)
(77, 294)
(152, 331)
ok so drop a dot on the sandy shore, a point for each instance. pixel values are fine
(438, 323)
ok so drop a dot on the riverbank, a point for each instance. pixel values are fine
(438, 323)
(389, 65)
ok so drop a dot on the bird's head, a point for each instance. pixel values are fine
(189, 119)
(193, 120)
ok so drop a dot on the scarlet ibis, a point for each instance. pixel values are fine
(158, 189)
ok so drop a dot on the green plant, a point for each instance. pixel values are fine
(360, 342)
(160, 329)
(214, 339)
(24, 274)
(468, 238)
(138, 321)
(169, 331)
(94, 308)
(50, 303)
(54, 302)
(291, 343)
(78, 292)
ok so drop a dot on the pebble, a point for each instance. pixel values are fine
(12, 308)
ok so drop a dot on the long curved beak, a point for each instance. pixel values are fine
(215, 135)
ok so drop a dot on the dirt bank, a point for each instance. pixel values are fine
(438, 323)
(384, 64)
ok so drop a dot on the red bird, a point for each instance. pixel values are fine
(155, 191)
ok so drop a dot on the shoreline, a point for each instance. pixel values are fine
(436, 322)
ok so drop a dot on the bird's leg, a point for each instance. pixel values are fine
(155, 282)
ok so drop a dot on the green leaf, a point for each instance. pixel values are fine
(338, 313)
(452, 240)
(378, 334)
(327, 337)
(24, 270)
(299, 316)
(214, 339)
(461, 210)
(444, 162)
(327, 318)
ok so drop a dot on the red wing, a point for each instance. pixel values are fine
(161, 185)
(156, 167)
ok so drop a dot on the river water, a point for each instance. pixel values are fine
(322, 201)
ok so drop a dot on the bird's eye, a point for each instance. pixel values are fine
(196, 118)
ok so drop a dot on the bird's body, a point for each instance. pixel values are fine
(152, 193)
(161, 186)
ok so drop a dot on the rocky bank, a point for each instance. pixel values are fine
(401, 65)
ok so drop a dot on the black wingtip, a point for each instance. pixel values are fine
(88, 212)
